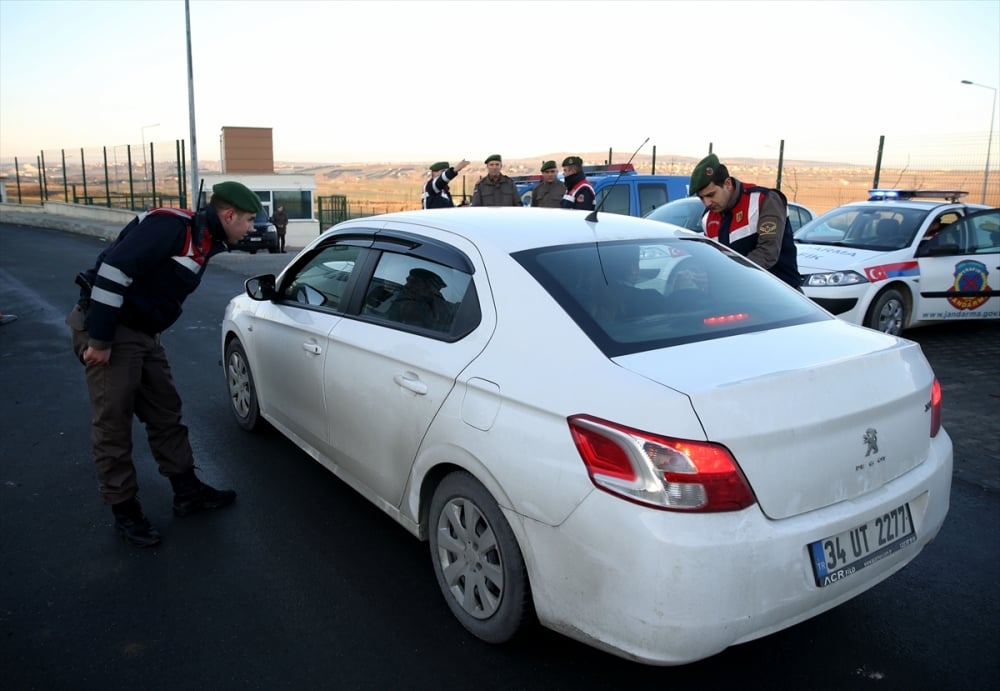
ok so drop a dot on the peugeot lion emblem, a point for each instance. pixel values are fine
(871, 439)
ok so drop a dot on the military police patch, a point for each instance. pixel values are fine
(768, 228)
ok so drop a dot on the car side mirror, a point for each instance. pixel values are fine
(260, 288)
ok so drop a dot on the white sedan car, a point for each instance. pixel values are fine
(618, 427)
(898, 260)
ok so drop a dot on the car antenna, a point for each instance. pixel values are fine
(592, 216)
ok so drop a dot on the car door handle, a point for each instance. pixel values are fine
(312, 348)
(412, 382)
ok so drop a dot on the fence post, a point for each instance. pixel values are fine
(83, 172)
(17, 176)
(652, 170)
(152, 174)
(878, 161)
(107, 180)
(131, 184)
(781, 162)
(43, 182)
(62, 152)
(182, 176)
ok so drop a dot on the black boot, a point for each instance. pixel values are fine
(192, 495)
(133, 525)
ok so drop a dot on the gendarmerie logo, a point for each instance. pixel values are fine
(970, 276)
(871, 440)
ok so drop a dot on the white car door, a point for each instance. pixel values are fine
(387, 375)
(960, 270)
(290, 337)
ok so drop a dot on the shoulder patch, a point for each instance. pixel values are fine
(768, 228)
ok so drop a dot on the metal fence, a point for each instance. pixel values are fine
(822, 173)
(119, 177)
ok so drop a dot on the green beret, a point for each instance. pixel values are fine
(494, 157)
(573, 161)
(703, 173)
(237, 194)
(429, 276)
(547, 165)
(440, 165)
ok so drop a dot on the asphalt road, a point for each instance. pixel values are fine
(302, 584)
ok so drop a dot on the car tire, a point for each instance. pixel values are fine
(888, 313)
(242, 391)
(477, 562)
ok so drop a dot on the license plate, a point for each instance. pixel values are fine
(255, 239)
(839, 556)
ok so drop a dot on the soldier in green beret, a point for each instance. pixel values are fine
(550, 191)
(436, 193)
(133, 293)
(750, 219)
(496, 189)
(579, 192)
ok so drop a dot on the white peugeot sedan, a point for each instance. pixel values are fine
(899, 260)
(618, 427)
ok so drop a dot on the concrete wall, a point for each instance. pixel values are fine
(100, 221)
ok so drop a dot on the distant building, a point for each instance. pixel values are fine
(247, 155)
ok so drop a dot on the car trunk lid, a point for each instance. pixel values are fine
(814, 414)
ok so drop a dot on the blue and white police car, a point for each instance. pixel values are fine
(904, 258)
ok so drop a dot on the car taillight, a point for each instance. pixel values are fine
(935, 408)
(662, 472)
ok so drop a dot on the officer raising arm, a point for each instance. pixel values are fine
(436, 193)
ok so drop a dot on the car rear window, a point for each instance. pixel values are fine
(643, 295)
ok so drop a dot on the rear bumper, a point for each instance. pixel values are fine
(667, 588)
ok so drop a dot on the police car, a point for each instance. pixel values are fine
(619, 189)
(904, 258)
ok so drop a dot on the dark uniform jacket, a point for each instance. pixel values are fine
(548, 194)
(579, 193)
(142, 278)
(503, 192)
(756, 225)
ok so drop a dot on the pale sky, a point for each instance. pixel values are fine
(421, 81)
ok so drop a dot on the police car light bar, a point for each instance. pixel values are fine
(608, 169)
(884, 195)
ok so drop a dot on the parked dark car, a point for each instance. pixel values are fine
(263, 236)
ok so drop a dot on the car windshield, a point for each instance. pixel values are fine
(871, 227)
(635, 296)
(685, 213)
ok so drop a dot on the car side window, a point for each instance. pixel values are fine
(651, 196)
(322, 281)
(614, 199)
(984, 233)
(417, 294)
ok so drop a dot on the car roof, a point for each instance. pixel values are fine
(512, 229)
(923, 205)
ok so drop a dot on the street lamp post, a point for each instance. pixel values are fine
(989, 142)
(145, 171)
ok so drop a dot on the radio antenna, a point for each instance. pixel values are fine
(592, 216)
